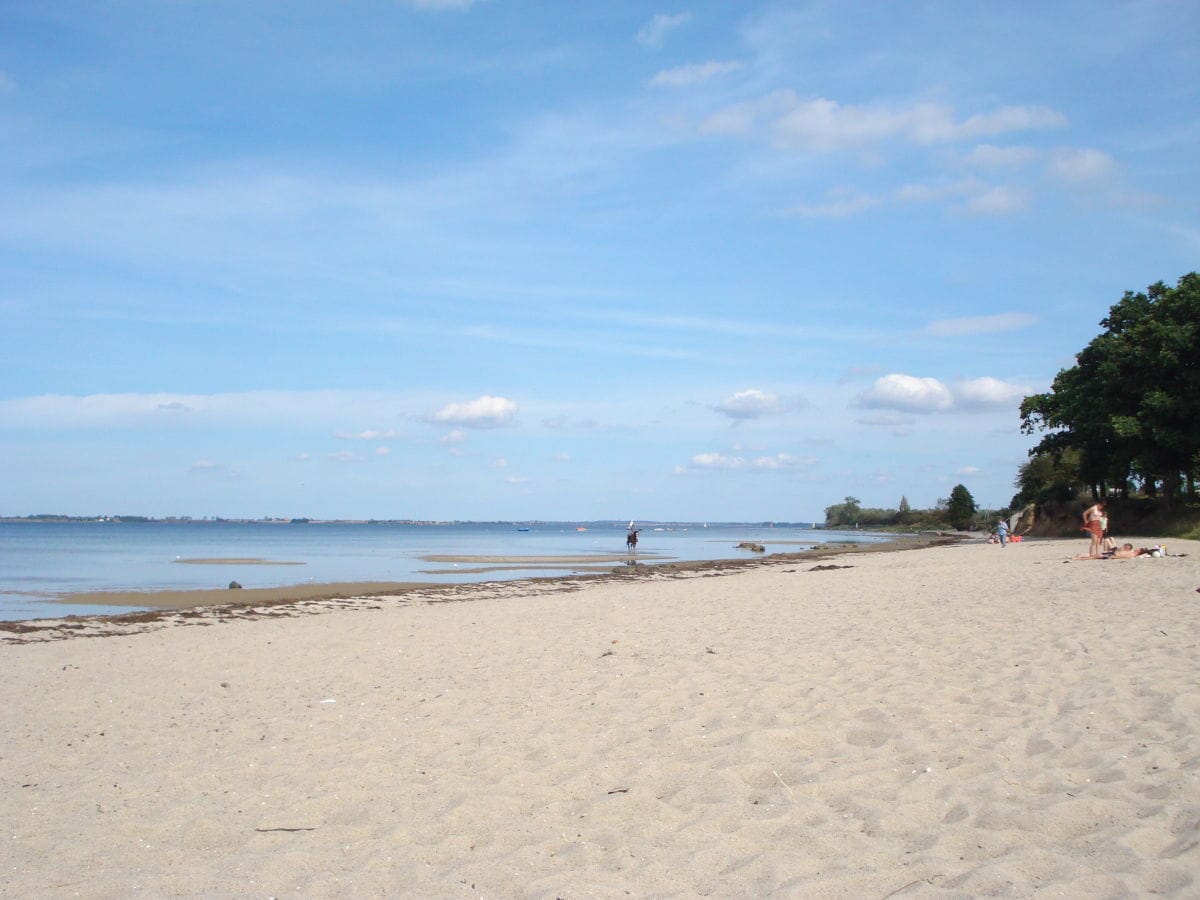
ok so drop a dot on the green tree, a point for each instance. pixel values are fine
(848, 512)
(961, 507)
(1047, 477)
(1131, 404)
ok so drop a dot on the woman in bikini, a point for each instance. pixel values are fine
(1095, 523)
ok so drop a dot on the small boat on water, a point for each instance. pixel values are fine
(581, 528)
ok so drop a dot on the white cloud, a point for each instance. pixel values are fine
(697, 73)
(968, 470)
(988, 393)
(1001, 322)
(206, 465)
(457, 436)
(485, 412)
(368, 435)
(824, 125)
(498, 463)
(907, 393)
(910, 394)
(383, 451)
(516, 479)
(724, 462)
(654, 32)
(717, 461)
(784, 461)
(344, 456)
(754, 404)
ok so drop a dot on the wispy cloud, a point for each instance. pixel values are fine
(1079, 166)
(723, 462)
(654, 33)
(989, 156)
(966, 325)
(998, 201)
(840, 207)
(162, 410)
(969, 195)
(822, 125)
(368, 435)
(439, 5)
(697, 73)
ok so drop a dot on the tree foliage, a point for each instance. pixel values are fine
(961, 507)
(1049, 478)
(1130, 406)
(848, 512)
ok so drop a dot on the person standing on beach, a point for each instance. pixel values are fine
(1002, 532)
(1095, 523)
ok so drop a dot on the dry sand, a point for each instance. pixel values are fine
(948, 722)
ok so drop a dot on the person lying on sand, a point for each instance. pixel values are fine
(1125, 551)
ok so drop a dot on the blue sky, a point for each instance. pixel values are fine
(509, 260)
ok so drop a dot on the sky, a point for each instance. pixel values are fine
(511, 260)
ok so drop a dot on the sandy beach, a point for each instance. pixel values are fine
(954, 721)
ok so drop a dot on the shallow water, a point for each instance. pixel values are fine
(41, 561)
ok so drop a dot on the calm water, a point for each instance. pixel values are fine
(40, 561)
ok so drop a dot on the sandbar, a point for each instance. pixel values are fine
(240, 561)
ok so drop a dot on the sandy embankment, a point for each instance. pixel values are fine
(956, 721)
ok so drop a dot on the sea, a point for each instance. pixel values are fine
(40, 561)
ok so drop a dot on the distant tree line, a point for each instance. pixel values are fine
(1126, 416)
(959, 511)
